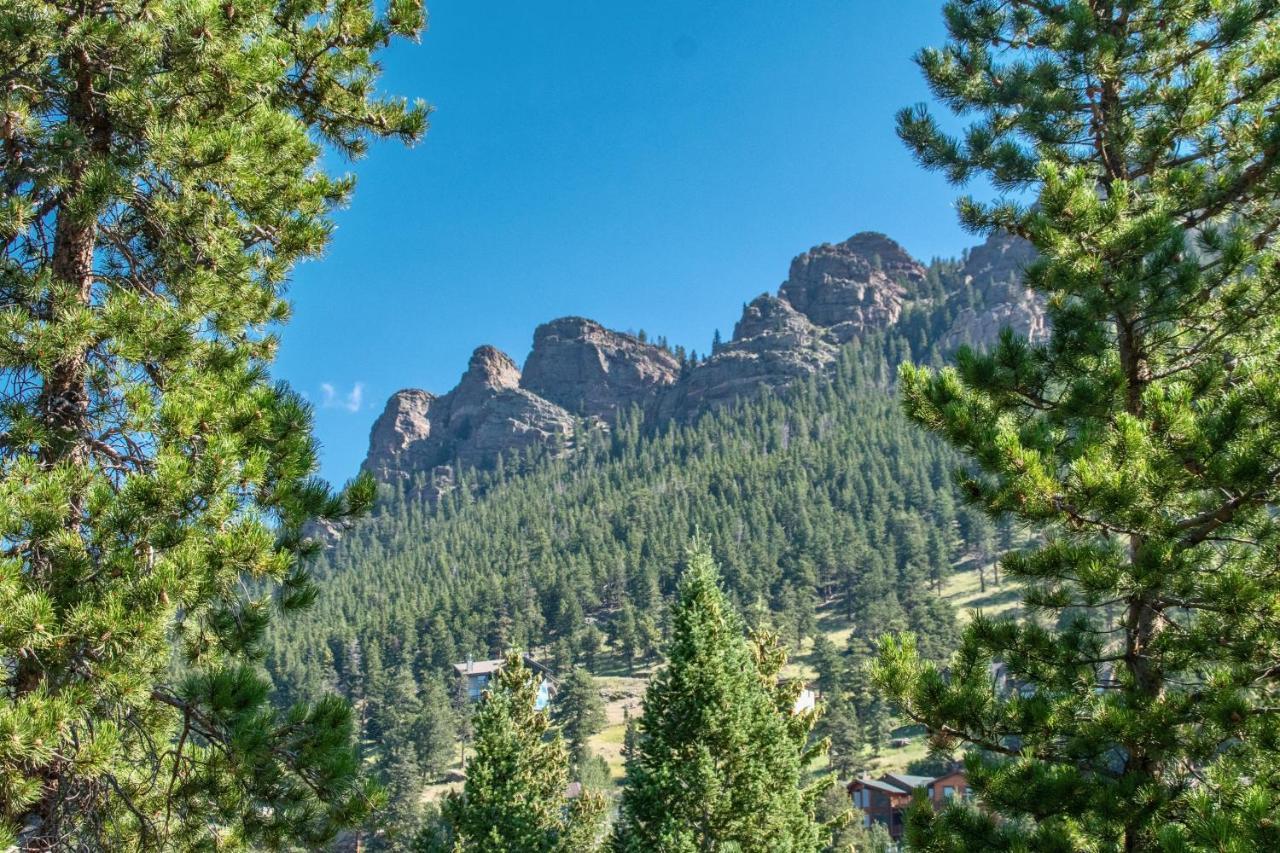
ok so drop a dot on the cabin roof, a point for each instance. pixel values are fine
(877, 785)
(479, 667)
(905, 782)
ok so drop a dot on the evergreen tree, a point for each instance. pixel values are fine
(839, 725)
(1141, 439)
(434, 729)
(578, 711)
(828, 663)
(164, 168)
(720, 758)
(514, 797)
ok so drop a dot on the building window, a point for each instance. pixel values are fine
(948, 792)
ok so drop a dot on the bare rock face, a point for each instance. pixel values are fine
(774, 319)
(1000, 260)
(400, 439)
(851, 287)
(773, 345)
(489, 373)
(593, 371)
(995, 269)
(485, 416)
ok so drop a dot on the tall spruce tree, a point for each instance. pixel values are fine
(720, 759)
(162, 174)
(1137, 145)
(514, 799)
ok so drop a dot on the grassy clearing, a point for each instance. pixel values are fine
(964, 590)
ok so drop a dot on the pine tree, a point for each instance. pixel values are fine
(164, 168)
(829, 664)
(434, 729)
(839, 725)
(578, 711)
(720, 759)
(514, 799)
(1139, 145)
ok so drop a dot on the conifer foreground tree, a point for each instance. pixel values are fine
(719, 759)
(514, 800)
(162, 174)
(1138, 144)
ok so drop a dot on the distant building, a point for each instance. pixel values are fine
(806, 701)
(476, 675)
(943, 789)
(885, 800)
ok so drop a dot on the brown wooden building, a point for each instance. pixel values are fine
(885, 800)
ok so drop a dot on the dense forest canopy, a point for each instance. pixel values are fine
(820, 502)
(821, 494)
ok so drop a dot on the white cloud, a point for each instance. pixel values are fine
(351, 401)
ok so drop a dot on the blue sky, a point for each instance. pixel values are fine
(649, 165)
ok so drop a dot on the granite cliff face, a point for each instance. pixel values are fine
(995, 269)
(487, 414)
(592, 371)
(853, 286)
(773, 345)
(581, 375)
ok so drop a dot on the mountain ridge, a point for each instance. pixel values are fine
(581, 375)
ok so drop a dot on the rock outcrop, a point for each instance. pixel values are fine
(486, 415)
(995, 270)
(773, 345)
(853, 286)
(593, 371)
(399, 440)
(578, 372)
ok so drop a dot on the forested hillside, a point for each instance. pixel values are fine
(817, 499)
(825, 493)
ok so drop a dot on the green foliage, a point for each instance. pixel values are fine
(514, 798)
(578, 711)
(1140, 146)
(503, 558)
(720, 757)
(163, 171)
(413, 737)
(840, 726)
(847, 832)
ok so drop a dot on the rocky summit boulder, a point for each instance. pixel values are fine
(593, 371)
(773, 345)
(854, 286)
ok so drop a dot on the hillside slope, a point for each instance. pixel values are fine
(506, 519)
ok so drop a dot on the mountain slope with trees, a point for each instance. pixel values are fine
(818, 498)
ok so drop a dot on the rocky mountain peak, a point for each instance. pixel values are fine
(886, 255)
(491, 368)
(853, 286)
(593, 371)
(397, 440)
(999, 260)
(770, 315)
(995, 270)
